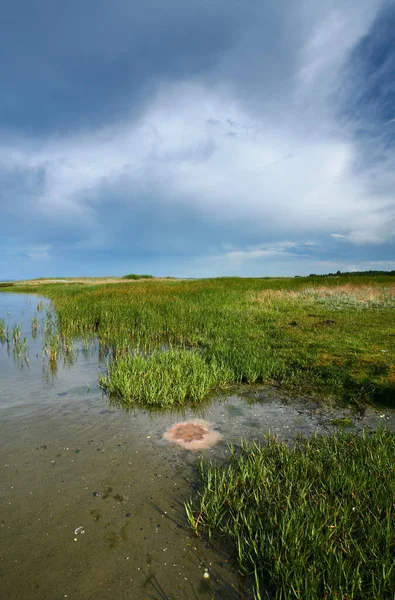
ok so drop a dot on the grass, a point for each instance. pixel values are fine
(149, 380)
(329, 336)
(13, 337)
(2, 330)
(314, 521)
(342, 422)
(135, 276)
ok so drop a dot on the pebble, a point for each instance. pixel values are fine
(79, 530)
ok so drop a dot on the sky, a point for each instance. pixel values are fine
(196, 139)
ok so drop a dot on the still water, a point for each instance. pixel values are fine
(92, 497)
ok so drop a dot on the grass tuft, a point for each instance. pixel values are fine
(313, 521)
(163, 378)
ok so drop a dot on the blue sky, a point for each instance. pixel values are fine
(199, 138)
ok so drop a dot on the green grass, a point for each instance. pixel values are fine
(136, 276)
(329, 336)
(150, 380)
(314, 521)
(342, 422)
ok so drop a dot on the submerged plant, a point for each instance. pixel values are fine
(16, 333)
(68, 349)
(34, 326)
(49, 324)
(51, 348)
(20, 351)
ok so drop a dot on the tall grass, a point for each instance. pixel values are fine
(313, 521)
(308, 334)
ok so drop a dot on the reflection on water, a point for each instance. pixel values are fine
(70, 459)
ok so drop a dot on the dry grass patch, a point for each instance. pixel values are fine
(348, 294)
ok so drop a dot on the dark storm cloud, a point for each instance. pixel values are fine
(200, 135)
(77, 64)
(370, 101)
(368, 110)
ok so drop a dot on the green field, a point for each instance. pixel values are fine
(170, 342)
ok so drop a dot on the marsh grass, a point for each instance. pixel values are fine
(34, 326)
(51, 347)
(164, 378)
(2, 330)
(313, 521)
(16, 334)
(328, 336)
(13, 339)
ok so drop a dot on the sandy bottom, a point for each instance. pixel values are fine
(193, 435)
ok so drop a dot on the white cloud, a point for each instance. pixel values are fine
(40, 252)
(333, 36)
(265, 173)
(237, 258)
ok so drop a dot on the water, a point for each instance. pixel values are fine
(69, 459)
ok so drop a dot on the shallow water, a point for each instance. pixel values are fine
(70, 459)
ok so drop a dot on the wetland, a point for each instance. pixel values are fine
(93, 376)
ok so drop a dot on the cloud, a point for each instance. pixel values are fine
(38, 252)
(269, 176)
(236, 259)
(185, 132)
